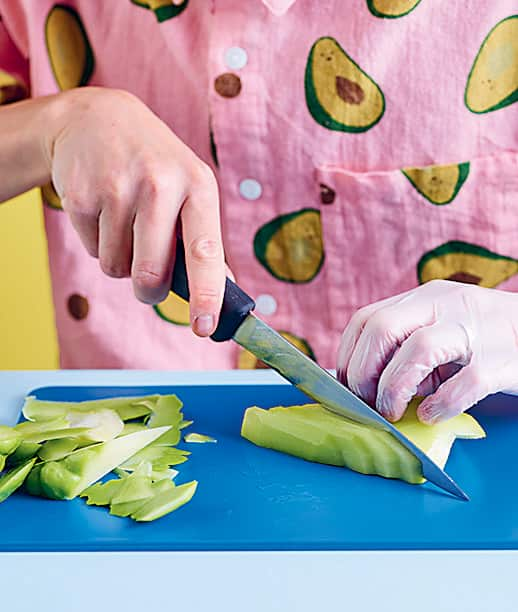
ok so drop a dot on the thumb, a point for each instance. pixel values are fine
(229, 273)
(455, 395)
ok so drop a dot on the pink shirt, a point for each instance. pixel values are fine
(315, 108)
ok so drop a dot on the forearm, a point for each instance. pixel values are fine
(28, 129)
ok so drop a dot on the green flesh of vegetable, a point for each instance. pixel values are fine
(102, 493)
(10, 439)
(33, 483)
(315, 434)
(126, 407)
(66, 478)
(165, 502)
(13, 480)
(199, 438)
(26, 450)
(167, 411)
(160, 457)
(53, 450)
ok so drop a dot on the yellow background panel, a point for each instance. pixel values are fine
(27, 333)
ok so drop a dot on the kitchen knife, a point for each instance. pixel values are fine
(238, 323)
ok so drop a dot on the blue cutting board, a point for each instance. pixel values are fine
(251, 498)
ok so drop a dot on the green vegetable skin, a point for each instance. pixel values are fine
(10, 439)
(315, 434)
(14, 479)
(66, 478)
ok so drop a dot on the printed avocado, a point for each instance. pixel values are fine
(69, 50)
(163, 9)
(50, 197)
(339, 95)
(390, 9)
(290, 246)
(173, 309)
(493, 80)
(11, 90)
(466, 263)
(248, 361)
(438, 184)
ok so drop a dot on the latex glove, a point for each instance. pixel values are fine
(453, 342)
(125, 180)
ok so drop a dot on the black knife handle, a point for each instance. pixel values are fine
(236, 303)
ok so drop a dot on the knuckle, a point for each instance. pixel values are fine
(202, 175)
(146, 275)
(206, 298)
(112, 192)
(113, 268)
(421, 342)
(358, 319)
(203, 250)
(379, 324)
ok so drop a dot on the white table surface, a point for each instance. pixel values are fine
(417, 581)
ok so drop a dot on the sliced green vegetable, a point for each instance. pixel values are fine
(126, 407)
(128, 508)
(167, 411)
(185, 424)
(10, 439)
(55, 434)
(199, 438)
(103, 425)
(132, 428)
(53, 450)
(28, 427)
(26, 450)
(102, 493)
(136, 486)
(165, 502)
(13, 480)
(33, 482)
(315, 434)
(160, 457)
(66, 478)
(2, 461)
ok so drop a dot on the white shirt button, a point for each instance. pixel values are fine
(236, 58)
(266, 304)
(250, 189)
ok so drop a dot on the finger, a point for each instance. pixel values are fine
(435, 379)
(116, 239)
(204, 255)
(419, 355)
(85, 222)
(229, 273)
(382, 334)
(154, 238)
(351, 334)
(457, 394)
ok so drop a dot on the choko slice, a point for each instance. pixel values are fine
(315, 434)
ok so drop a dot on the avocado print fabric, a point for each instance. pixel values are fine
(361, 146)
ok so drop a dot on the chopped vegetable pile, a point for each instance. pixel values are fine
(64, 450)
(313, 433)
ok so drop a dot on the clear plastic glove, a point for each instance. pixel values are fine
(125, 179)
(452, 342)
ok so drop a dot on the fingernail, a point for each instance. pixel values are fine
(203, 324)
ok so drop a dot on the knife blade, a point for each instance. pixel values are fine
(237, 322)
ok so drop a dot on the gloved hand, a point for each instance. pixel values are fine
(453, 342)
